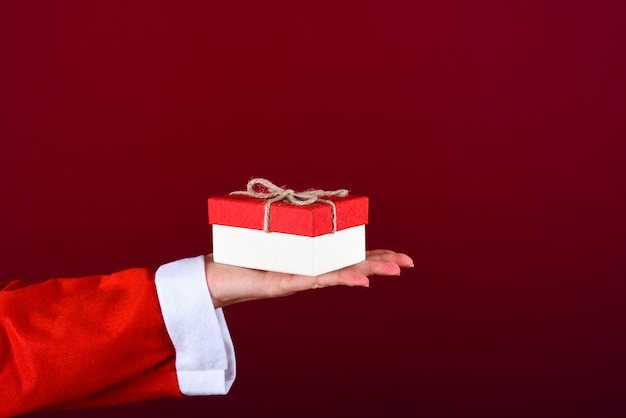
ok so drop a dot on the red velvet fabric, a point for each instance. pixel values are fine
(81, 342)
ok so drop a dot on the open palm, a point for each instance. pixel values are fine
(230, 284)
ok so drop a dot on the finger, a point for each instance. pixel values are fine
(372, 267)
(344, 277)
(379, 251)
(400, 259)
(334, 278)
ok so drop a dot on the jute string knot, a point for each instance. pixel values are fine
(265, 189)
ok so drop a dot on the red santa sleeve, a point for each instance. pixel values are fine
(100, 340)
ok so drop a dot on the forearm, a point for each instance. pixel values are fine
(108, 339)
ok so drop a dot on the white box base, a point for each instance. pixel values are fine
(287, 253)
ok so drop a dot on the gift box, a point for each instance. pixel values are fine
(270, 228)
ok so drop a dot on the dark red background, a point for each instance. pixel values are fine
(489, 136)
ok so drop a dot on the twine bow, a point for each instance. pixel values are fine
(274, 193)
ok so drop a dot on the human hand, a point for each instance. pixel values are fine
(230, 284)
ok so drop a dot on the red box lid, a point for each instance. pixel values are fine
(310, 220)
